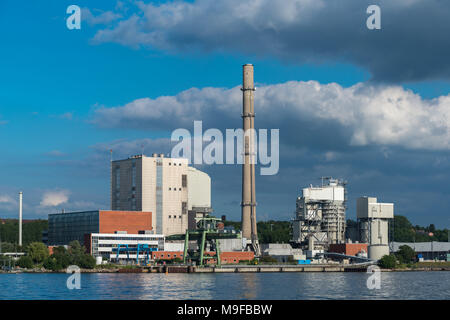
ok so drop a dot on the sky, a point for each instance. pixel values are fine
(368, 106)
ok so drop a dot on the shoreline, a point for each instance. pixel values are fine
(232, 269)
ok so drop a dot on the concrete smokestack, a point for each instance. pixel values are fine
(248, 168)
(20, 218)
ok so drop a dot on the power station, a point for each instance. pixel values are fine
(320, 215)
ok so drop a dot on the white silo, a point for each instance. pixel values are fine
(373, 218)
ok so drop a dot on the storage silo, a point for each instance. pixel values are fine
(373, 220)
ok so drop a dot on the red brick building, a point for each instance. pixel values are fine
(230, 257)
(66, 227)
(350, 249)
(129, 221)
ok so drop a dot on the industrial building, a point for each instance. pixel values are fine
(282, 252)
(320, 216)
(66, 227)
(168, 187)
(373, 222)
(427, 250)
(349, 249)
(105, 245)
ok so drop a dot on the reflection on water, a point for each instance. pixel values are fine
(395, 285)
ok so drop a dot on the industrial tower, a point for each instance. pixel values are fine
(248, 168)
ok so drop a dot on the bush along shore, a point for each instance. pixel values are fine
(405, 260)
(38, 259)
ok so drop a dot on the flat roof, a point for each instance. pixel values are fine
(131, 235)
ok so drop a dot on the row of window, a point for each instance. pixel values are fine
(170, 217)
(175, 189)
(127, 238)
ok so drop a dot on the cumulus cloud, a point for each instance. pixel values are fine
(5, 199)
(103, 17)
(56, 153)
(305, 112)
(124, 148)
(411, 45)
(54, 198)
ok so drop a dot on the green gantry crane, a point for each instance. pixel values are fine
(206, 231)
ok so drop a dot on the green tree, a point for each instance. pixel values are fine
(387, 261)
(87, 261)
(62, 259)
(268, 259)
(405, 254)
(37, 251)
(274, 231)
(32, 231)
(25, 262)
(403, 229)
(50, 263)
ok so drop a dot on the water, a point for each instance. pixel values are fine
(394, 285)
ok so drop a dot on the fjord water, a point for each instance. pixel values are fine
(290, 286)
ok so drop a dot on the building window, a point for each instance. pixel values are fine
(184, 207)
(184, 181)
(133, 174)
(117, 173)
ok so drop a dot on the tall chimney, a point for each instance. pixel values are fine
(248, 168)
(20, 218)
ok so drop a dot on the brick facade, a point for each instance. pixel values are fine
(231, 257)
(130, 221)
(350, 249)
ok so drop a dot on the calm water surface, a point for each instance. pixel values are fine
(394, 285)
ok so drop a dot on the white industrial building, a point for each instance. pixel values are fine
(167, 187)
(373, 219)
(105, 245)
(320, 216)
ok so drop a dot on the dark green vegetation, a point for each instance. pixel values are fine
(25, 262)
(269, 231)
(405, 254)
(388, 262)
(75, 255)
(37, 256)
(404, 231)
(37, 251)
(404, 257)
(32, 231)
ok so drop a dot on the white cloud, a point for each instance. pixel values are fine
(360, 115)
(5, 199)
(56, 153)
(104, 17)
(298, 31)
(54, 198)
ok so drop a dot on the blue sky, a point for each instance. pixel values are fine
(53, 81)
